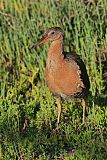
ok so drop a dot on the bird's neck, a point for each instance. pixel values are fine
(56, 49)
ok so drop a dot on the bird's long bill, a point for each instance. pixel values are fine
(42, 40)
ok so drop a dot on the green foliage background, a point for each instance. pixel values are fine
(28, 110)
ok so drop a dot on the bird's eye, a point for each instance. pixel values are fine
(52, 32)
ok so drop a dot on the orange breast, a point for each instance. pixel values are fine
(63, 77)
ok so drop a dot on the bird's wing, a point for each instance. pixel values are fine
(72, 56)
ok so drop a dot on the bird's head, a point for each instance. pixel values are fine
(52, 34)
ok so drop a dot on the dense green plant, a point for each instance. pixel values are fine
(28, 109)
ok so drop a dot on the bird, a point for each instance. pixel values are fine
(66, 74)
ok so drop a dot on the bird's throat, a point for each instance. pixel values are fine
(55, 54)
(56, 48)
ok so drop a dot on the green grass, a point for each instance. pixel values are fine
(24, 95)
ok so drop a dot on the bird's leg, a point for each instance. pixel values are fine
(59, 109)
(84, 108)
